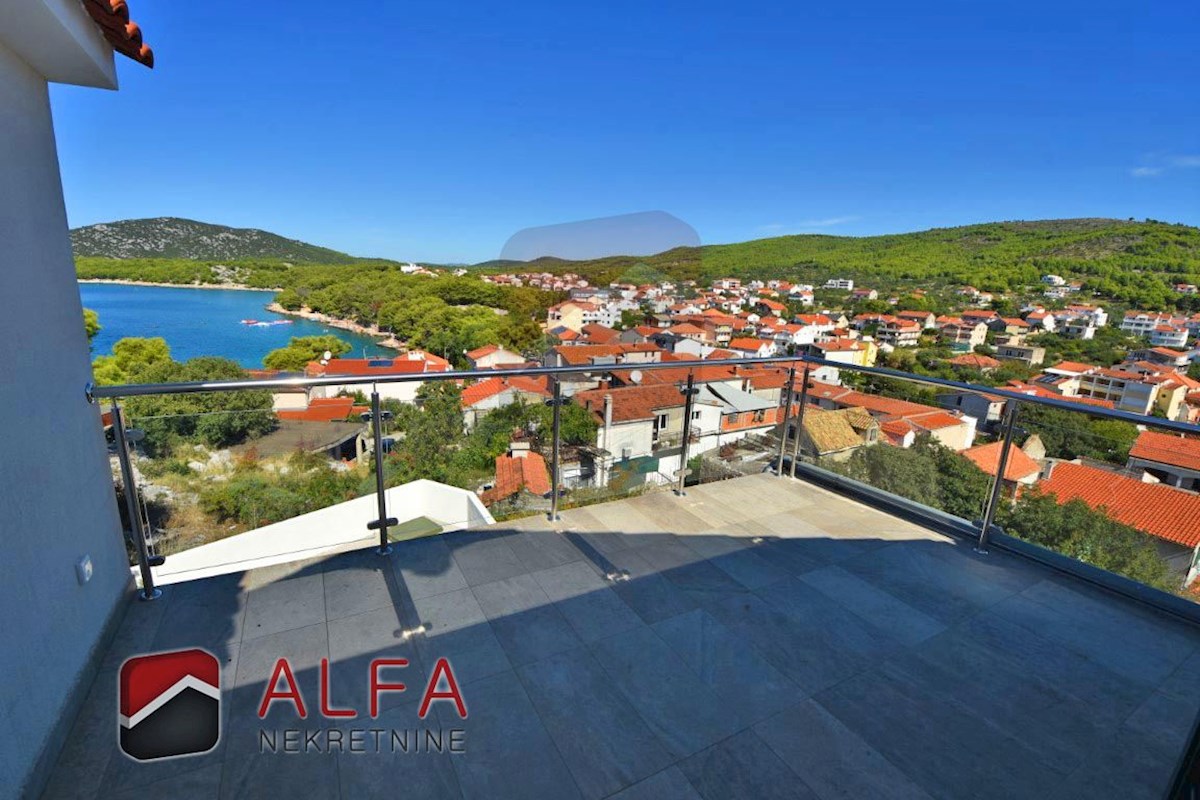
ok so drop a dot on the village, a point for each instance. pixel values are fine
(737, 414)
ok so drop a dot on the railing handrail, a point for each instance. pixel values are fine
(249, 384)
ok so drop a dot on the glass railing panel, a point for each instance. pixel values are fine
(223, 489)
(1090, 497)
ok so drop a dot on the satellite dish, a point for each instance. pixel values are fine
(636, 376)
(326, 355)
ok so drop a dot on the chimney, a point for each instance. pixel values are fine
(607, 418)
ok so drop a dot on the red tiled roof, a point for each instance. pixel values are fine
(582, 354)
(323, 409)
(596, 333)
(1167, 448)
(480, 352)
(125, 36)
(1155, 509)
(975, 360)
(632, 402)
(514, 473)
(1040, 391)
(840, 345)
(685, 329)
(746, 344)
(987, 458)
(400, 365)
(489, 387)
(1073, 366)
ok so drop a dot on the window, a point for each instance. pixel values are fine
(759, 416)
(661, 422)
(695, 416)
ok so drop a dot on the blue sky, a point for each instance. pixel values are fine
(434, 131)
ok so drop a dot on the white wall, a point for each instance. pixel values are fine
(56, 496)
(326, 531)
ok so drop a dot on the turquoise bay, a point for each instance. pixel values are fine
(202, 322)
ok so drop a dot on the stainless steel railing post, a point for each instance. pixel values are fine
(384, 522)
(989, 510)
(554, 470)
(787, 413)
(800, 420)
(689, 393)
(132, 508)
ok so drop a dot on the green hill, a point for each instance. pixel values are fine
(172, 237)
(1134, 261)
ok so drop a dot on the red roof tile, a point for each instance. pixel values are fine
(125, 36)
(987, 458)
(480, 352)
(1155, 509)
(400, 365)
(1167, 448)
(632, 403)
(514, 473)
(324, 409)
(975, 360)
(746, 344)
(489, 387)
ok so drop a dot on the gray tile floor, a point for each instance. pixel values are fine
(763, 638)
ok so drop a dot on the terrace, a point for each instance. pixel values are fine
(759, 637)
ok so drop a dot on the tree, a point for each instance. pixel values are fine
(130, 358)
(432, 431)
(215, 419)
(1071, 435)
(928, 473)
(91, 324)
(1079, 531)
(303, 349)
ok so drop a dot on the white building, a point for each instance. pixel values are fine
(844, 284)
(64, 572)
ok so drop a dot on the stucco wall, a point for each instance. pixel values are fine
(56, 496)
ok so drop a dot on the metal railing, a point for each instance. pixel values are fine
(985, 528)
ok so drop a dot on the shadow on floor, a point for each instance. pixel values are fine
(693, 656)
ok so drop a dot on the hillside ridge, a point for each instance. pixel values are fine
(176, 237)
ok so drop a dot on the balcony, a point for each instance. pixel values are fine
(758, 637)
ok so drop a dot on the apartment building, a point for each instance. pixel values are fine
(898, 332)
(1126, 390)
(962, 335)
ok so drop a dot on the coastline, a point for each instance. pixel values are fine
(383, 339)
(228, 286)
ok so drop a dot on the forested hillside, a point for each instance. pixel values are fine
(1133, 262)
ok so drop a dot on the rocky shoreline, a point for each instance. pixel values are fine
(385, 339)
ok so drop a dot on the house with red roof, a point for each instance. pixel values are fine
(1019, 472)
(1167, 457)
(975, 361)
(1166, 513)
(753, 348)
(520, 472)
(900, 420)
(493, 356)
(408, 366)
(483, 397)
(325, 409)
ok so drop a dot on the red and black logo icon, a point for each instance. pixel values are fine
(170, 704)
